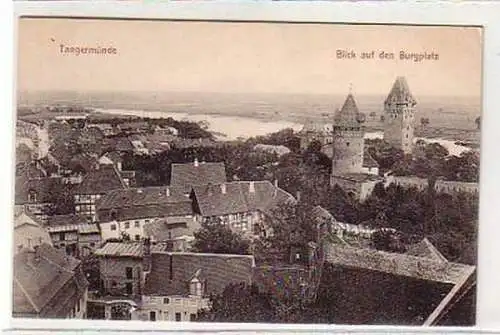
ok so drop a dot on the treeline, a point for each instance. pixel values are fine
(186, 129)
(427, 160)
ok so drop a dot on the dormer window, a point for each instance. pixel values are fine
(32, 196)
(195, 287)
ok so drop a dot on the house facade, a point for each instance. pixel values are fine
(93, 186)
(74, 234)
(241, 205)
(179, 284)
(127, 211)
(122, 267)
(28, 231)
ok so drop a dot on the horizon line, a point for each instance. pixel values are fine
(27, 91)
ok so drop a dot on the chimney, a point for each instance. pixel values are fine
(251, 187)
(147, 254)
(167, 192)
(196, 162)
(276, 183)
(298, 196)
(37, 252)
(223, 188)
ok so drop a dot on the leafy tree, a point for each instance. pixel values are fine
(388, 240)
(215, 237)
(239, 303)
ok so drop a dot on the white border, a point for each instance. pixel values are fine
(477, 13)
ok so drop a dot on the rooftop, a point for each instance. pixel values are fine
(101, 181)
(185, 176)
(239, 197)
(400, 93)
(126, 249)
(39, 275)
(349, 115)
(358, 177)
(171, 272)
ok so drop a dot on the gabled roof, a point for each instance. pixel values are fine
(400, 93)
(38, 280)
(239, 197)
(126, 249)
(348, 115)
(66, 219)
(158, 201)
(171, 272)
(100, 181)
(185, 176)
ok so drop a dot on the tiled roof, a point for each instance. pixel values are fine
(100, 181)
(118, 144)
(144, 203)
(400, 93)
(126, 249)
(87, 228)
(171, 271)
(239, 197)
(44, 189)
(395, 263)
(185, 176)
(348, 115)
(37, 281)
(67, 219)
(368, 160)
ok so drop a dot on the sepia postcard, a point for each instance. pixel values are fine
(246, 172)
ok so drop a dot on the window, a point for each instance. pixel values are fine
(169, 235)
(136, 224)
(62, 237)
(128, 288)
(92, 244)
(177, 316)
(127, 225)
(347, 143)
(78, 306)
(166, 301)
(152, 316)
(137, 237)
(113, 226)
(32, 196)
(146, 221)
(128, 272)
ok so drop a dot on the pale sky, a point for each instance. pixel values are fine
(244, 57)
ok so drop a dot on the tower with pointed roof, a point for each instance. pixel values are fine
(399, 110)
(348, 139)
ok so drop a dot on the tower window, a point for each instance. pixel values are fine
(347, 143)
(406, 135)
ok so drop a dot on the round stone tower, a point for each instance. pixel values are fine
(399, 110)
(348, 139)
